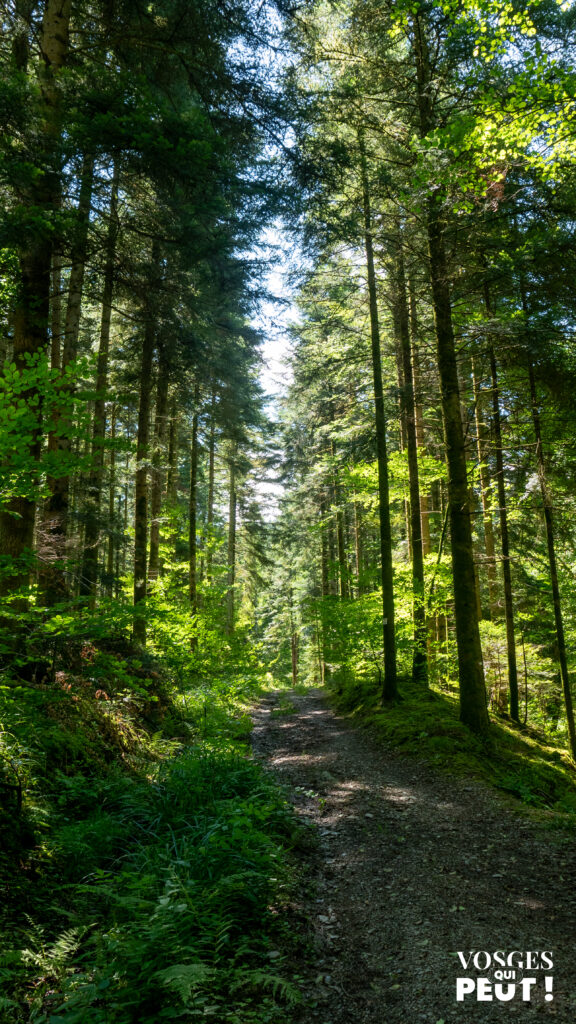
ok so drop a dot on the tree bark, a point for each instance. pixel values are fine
(505, 543)
(230, 597)
(94, 490)
(486, 491)
(293, 642)
(390, 687)
(31, 317)
(52, 581)
(325, 553)
(158, 473)
(419, 658)
(210, 508)
(342, 566)
(358, 546)
(111, 507)
(419, 417)
(56, 313)
(172, 478)
(141, 481)
(192, 507)
(551, 544)
(473, 710)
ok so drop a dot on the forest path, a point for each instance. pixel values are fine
(412, 866)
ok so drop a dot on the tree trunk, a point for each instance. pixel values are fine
(111, 507)
(32, 312)
(419, 417)
(193, 504)
(325, 587)
(390, 688)
(158, 474)
(141, 481)
(172, 478)
(94, 490)
(550, 540)
(230, 602)
(56, 313)
(325, 553)
(210, 508)
(342, 566)
(505, 541)
(419, 658)
(52, 581)
(473, 710)
(486, 489)
(77, 270)
(293, 643)
(358, 547)
(331, 533)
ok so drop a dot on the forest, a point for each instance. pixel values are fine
(391, 522)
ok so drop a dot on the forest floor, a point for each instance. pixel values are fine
(411, 866)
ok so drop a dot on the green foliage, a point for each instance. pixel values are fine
(522, 763)
(35, 396)
(186, 866)
(168, 847)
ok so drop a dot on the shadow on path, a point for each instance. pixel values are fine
(413, 867)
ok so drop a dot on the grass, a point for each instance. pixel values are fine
(521, 762)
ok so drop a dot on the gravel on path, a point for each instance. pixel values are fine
(412, 867)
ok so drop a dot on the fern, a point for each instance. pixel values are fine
(260, 980)
(184, 978)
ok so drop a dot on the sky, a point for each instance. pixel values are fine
(273, 320)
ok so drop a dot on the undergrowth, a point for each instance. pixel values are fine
(517, 760)
(145, 876)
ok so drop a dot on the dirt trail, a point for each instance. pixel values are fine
(412, 867)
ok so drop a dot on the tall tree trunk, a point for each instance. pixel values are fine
(52, 580)
(325, 553)
(293, 642)
(230, 597)
(31, 315)
(56, 313)
(402, 422)
(94, 491)
(473, 710)
(172, 478)
(331, 534)
(358, 546)
(551, 544)
(419, 416)
(192, 508)
(390, 688)
(419, 658)
(158, 456)
(470, 458)
(210, 508)
(505, 542)
(342, 565)
(486, 490)
(141, 481)
(325, 586)
(111, 506)
(78, 267)
(343, 568)
(125, 522)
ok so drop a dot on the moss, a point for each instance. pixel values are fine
(516, 760)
